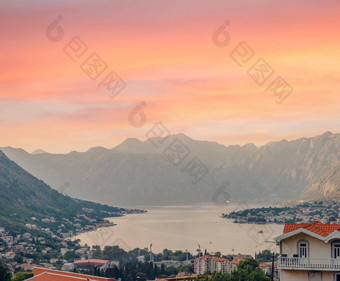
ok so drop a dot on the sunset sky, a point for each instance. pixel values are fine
(164, 52)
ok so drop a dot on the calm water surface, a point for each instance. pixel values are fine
(184, 227)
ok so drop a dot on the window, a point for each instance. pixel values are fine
(337, 277)
(336, 249)
(303, 250)
(315, 276)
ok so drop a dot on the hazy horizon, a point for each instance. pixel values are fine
(145, 139)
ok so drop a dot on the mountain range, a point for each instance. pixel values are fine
(137, 173)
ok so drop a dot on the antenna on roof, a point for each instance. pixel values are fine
(199, 250)
(151, 256)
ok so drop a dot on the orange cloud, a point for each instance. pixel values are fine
(165, 54)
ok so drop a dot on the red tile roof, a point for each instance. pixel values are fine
(264, 264)
(207, 257)
(182, 274)
(91, 262)
(43, 274)
(316, 227)
(221, 259)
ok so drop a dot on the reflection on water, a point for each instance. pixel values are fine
(184, 227)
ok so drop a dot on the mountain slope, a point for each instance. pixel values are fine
(137, 173)
(22, 196)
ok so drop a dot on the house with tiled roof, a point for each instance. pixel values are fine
(43, 274)
(101, 264)
(309, 252)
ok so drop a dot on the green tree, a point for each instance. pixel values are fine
(156, 270)
(248, 270)
(18, 258)
(162, 269)
(22, 275)
(217, 276)
(97, 252)
(5, 274)
(71, 256)
(265, 256)
(114, 253)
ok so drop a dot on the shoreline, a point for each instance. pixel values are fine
(106, 223)
(183, 228)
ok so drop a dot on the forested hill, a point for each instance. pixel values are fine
(25, 199)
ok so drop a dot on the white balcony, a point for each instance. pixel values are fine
(309, 264)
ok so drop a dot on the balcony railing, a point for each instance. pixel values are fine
(308, 263)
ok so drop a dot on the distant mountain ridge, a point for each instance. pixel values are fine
(38, 151)
(137, 173)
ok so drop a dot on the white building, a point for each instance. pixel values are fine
(310, 252)
(212, 264)
(202, 265)
(2, 230)
(63, 251)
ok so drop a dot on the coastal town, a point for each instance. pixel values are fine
(41, 247)
(47, 243)
(57, 250)
(26, 253)
(298, 257)
(291, 212)
(27, 250)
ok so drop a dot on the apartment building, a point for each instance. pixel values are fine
(212, 264)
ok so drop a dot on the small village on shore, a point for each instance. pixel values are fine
(291, 212)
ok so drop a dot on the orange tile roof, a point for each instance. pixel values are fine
(220, 259)
(43, 274)
(91, 262)
(316, 227)
(205, 257)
